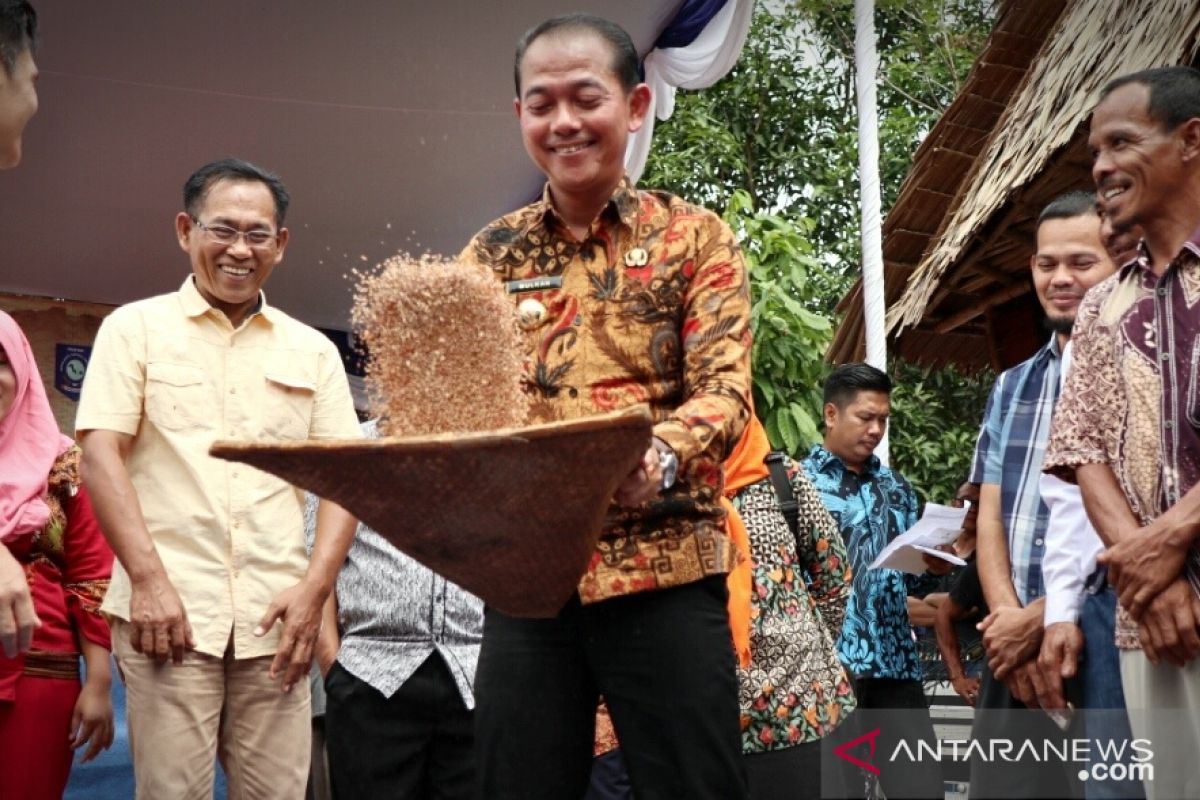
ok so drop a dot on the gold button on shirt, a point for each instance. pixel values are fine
(652, 306)
(172, 372)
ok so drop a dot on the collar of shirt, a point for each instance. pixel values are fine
(194, 304)
(825, 461)
(1141, 263)
(623, 204)
(1049, 350)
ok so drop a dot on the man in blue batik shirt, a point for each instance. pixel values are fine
(873, 505)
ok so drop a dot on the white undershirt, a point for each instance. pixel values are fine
(1071, 542)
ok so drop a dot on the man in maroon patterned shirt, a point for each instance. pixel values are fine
(1128, 425)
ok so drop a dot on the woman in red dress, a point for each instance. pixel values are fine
(49, 532)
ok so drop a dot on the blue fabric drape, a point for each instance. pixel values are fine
(688, 23)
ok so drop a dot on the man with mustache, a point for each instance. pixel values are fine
(1128, 428)
(1012, 525)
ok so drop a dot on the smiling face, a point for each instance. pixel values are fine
(1136, 161)
(18, 104)
(852, 433)
(1122, 246)
(575, 115)
(230, 276)
(1070, 259)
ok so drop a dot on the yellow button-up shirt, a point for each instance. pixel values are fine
(172, 372)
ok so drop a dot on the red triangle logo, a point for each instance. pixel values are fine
(840, 751)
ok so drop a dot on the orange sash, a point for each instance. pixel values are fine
(744, 467)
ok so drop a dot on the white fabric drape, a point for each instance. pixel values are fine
(697, 66)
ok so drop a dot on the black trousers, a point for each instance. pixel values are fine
(664, 662)
(793, 773)
(610, 778)
(900, 712)
(999, 715)
(418, 743)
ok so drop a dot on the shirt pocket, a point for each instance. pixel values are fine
(291, 388)
(177, 396)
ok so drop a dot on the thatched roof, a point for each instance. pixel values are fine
(970, 282)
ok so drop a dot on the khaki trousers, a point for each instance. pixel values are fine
(182, 717)
(1163, 701)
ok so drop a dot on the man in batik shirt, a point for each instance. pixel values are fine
(626, 297)
(1128, 426)
(872, 505)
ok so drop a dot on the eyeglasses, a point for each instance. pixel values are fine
(256, 239)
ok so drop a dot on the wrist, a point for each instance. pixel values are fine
(146, 574)
(1179, 536)
(315, 582)
(100, 680)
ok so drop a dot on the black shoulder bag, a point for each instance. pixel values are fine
(783, 491)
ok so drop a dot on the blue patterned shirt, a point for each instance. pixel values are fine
(1016, 431)
(871, 509)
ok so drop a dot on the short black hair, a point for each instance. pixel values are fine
(18, 31)
(1072, 204)
(1174, 93)
(847, 380)
(195, 189)
(625, 56)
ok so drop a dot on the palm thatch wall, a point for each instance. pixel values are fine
(966, 299)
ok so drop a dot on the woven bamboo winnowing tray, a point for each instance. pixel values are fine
(510, 515)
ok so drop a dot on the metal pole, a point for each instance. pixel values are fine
(867, 66)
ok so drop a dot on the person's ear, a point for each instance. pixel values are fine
(830, 414)
(184, 230)
(639, 105)
(1189, 139)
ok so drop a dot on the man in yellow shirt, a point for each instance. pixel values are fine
(211, 554)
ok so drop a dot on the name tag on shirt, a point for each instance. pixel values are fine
(533, 284)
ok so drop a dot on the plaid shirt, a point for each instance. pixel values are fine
(1015, 432)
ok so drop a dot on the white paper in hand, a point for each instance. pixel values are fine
(940, 525)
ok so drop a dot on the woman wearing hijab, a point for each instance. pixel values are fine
(47, 528)
(786, 605)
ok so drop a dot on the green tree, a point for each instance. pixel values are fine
(774, 144)
(788, 337)
(935, 420)
(782, 126)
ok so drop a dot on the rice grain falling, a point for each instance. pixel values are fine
(443, 347)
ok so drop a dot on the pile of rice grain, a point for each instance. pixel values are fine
(443, 348)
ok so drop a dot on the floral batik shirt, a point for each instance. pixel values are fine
(871, 509)
(794, 690)
(651, 307)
